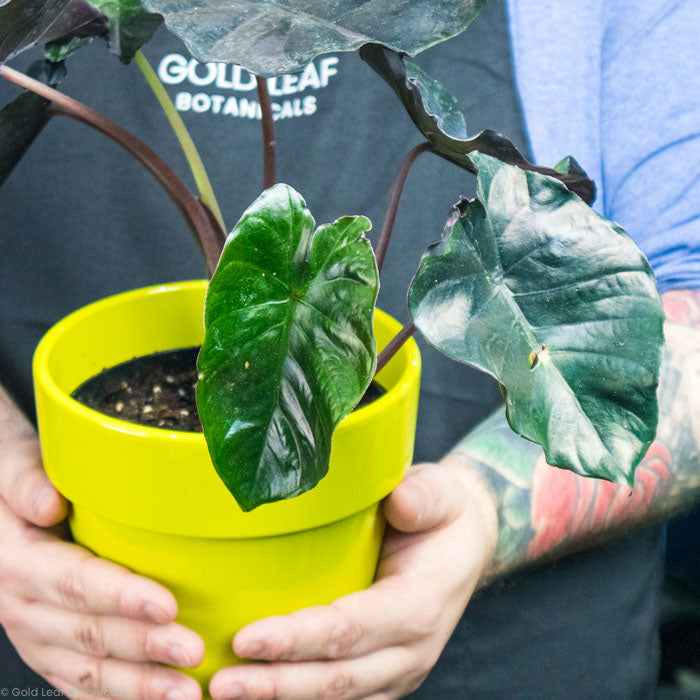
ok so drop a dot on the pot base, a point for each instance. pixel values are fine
(242, 579)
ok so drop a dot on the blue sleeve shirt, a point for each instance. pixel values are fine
(615, 84)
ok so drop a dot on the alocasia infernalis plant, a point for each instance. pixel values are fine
(528, 283)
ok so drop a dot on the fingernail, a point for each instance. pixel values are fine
(232, 692)
(41, 499)
(175, 694)
(179, 656)
(154, 613)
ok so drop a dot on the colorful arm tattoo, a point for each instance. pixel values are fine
(545, 511)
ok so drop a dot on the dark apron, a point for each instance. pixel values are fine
(80, 220)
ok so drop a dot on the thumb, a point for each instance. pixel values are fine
(24, 485)
(430, 496)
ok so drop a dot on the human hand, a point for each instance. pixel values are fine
(381, 642)
(83, 623)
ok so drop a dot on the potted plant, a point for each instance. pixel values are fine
(528, 283)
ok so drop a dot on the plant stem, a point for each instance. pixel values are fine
(191, 209)
(394, 344)
(183, 136)
(218, 231)
(394, 198)
(268, 129)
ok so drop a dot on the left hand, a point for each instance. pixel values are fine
(383, 641)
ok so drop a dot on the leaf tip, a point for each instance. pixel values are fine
(457, 211)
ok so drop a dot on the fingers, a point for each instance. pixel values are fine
(119, 638)
(80, 676)
(351, 626)
(428, 497)
(357, 678)
(380, 642)
(68, 576)
(401, 607)
(25, 487)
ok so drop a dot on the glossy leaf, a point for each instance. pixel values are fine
(271, 37)
(24, 23)
(532, 286)
(130, 26)
(443, 122)
(289, 348)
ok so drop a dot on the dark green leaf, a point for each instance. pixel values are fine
(532, 286)
(21, 121)
(289, 347)
(271, 37)
(130, 26)
(442, 120)
(61, 49)
(24, 23)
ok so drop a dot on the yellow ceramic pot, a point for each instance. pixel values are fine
(150, 499)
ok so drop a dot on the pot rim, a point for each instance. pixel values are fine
(52, 336)
(98, 462)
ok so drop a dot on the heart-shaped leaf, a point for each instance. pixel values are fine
(271, 37)
(24, 23)
(442, 120)
(289, 348)
(532, 286)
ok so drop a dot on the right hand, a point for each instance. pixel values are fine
(83, 623)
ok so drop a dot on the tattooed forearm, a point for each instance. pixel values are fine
(544, 511)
